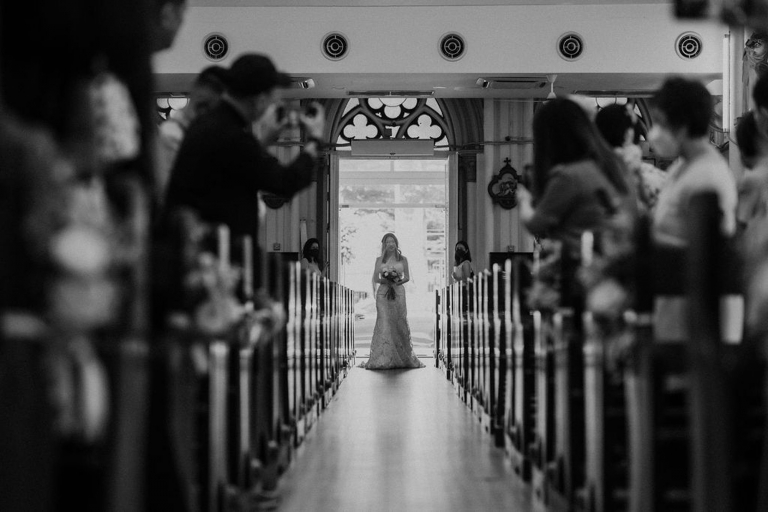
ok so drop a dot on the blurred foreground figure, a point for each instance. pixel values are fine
(221, 165)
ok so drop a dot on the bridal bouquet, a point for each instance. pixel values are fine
(391, 275)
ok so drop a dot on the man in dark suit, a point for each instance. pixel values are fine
(221, 165)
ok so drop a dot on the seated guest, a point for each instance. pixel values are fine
(618, 125)
(753, 186)
(682, 113)
(577, 182)
(752, 218)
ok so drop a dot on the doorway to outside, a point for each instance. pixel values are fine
(407, 197)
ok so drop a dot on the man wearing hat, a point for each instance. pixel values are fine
(221, 165)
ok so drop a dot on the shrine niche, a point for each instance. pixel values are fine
(503, 186)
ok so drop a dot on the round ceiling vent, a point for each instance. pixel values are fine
(335, 46)
(215, 47)
(452, 46)
(570, 46)
(688, 45)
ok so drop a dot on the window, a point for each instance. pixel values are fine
(392, 118)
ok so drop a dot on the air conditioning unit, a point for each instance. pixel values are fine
(391, 94)
(512, 82)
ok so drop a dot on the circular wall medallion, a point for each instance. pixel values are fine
(570, 46)
(335, 46)
(689, 45)
(215, 47)
(452, 46)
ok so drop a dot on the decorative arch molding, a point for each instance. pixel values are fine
(333, 112)
(464, 118)
(451, 123)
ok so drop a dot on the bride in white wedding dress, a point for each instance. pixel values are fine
(391, 345)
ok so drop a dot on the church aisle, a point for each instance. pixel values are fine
(400, 440)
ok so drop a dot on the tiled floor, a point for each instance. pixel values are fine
(400, 440)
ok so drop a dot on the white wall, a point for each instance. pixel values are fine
(632, 38)
(509, 39)
(498, 229)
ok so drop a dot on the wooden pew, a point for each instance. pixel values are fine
(727, 402)
(461, 323)
(293, 351)
(444, 330)
(507, 373)
(481, 361)
(347, 342)
(453, 334)
(469, 344)
(565, 470)
(523, 400)
(542, 450)
(605, 426)
(605, 482)
(694, 396)
(439, 328)
(655, 397)
(260, 384)
(497, 354)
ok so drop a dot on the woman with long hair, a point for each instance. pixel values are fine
(391, 345)
(578, 183)
(462, 261)
(310, 257)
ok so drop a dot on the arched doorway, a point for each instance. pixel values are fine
(390, 187)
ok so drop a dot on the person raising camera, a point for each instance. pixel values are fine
(221, 165)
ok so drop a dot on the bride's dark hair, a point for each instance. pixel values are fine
(398, 254)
